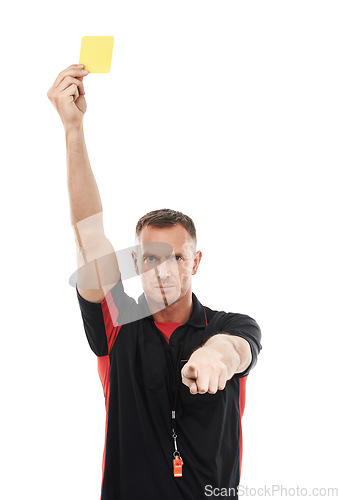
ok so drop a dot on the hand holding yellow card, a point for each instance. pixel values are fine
(96, 53)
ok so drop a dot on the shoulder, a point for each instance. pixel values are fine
(232, 322)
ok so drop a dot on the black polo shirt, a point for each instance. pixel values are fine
(134, 364)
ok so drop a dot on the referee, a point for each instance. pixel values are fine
(173, 371)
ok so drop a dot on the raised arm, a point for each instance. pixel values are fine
(98, 269)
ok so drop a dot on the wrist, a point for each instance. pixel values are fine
(74, 130)
(225, 347)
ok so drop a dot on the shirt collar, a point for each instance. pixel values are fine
(197, 318)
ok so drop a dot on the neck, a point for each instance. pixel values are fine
(178, 312)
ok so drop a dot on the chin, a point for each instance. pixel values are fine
(170, 296)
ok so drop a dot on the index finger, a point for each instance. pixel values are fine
(72, 70)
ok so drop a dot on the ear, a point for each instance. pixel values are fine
(135, 260)
(196, 262)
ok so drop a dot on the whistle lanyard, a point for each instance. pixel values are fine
(178, 461)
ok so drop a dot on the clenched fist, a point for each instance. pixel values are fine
(212, 365)
(67, 96)
(205, 371)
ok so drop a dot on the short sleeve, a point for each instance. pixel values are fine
(246, 327)
(102, 320)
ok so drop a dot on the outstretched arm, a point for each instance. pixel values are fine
(67, 96)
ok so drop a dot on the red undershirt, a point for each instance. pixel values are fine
(167, 328)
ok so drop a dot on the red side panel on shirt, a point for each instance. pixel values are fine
(110, 314)
(242, 397)
(104, 372)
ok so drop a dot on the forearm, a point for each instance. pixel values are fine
(87, 220)
(235, 352)
(82, 187)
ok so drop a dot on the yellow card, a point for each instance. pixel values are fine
(96, 53)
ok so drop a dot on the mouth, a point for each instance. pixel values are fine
(164, 287)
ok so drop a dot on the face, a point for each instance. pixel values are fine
(166, 263)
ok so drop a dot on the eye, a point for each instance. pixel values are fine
(150, 258)
(178, 257)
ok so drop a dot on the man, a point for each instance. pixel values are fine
(173, 371)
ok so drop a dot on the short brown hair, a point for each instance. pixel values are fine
(166, 217)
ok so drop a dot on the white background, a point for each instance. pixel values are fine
(227, 111)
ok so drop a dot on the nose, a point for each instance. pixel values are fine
(164, 270)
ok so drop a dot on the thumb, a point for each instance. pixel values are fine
(189, 371)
